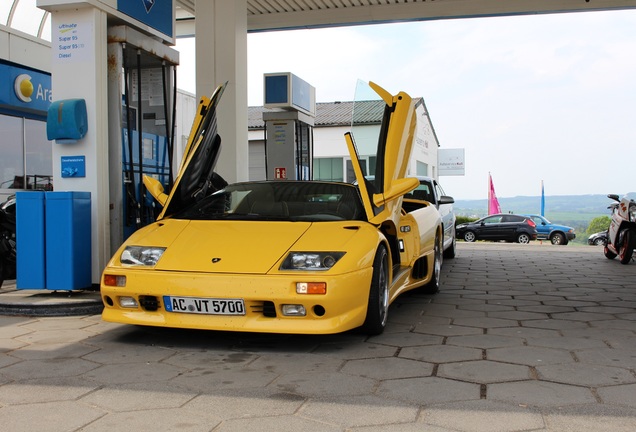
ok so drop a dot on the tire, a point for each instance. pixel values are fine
(558, 239)
(452, 250)
(432, 287)
(1, 273)
(523, 238)
(469, 236)
(378, 305)
(626, 249)
(608, 253)
(599, 242)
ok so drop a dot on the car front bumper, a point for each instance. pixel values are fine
(342, 308)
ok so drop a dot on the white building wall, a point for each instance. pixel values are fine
(24, 49)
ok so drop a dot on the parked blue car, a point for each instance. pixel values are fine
(557, 234)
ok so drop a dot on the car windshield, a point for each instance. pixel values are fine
(279, 201)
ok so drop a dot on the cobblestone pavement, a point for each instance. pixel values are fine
(521, 338)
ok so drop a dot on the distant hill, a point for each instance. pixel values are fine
(557, 208)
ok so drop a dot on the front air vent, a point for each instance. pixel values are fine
(420, 268)
(267, 308)
(149, 303)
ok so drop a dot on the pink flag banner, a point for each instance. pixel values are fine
(493, 202)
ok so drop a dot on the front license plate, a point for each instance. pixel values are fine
(208, 306)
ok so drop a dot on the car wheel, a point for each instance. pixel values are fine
(433, 286)
(452, 249)
(378, 306)
(1, 273)
(599, 242)
(626, 250)
(470, 236)
(558, 239)
(523, 238)
(608, 253)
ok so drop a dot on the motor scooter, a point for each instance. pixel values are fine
(621, 238)
(7, 240)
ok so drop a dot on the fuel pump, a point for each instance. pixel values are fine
(142, 112)
(289, 139)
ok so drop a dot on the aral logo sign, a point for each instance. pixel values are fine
(24, 90)
(23, 87)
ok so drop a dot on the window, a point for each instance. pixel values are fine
(12, 160)
(24, 146)
(421, 169)
(328, 169)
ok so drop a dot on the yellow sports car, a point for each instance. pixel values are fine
(279, 256)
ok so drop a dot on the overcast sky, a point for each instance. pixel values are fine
(529, 98)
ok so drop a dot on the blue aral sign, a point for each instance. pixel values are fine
(24, 91)
(154, 13)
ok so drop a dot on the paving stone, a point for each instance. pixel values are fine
(388, 368)
(524, 332)
(615, 324)
(484, 371)
(591, 418)
(482, 416)
(485, 322)
(530, 355)
(619, 395)
(406, 339)
(486, 307)
(205, 380)
(323, 385)
(182, 420)
(34, 391)
(539, 394)
(585, 374)
(138, 396)
(581, 316)
(48, 368)
(48, 417)
(424, 391)
(54, 351)
(441, 353)
(349, 351)
(447, 330)
(619, 357)
(564, 342)
(484, 341)
(246, 403)
(133, 372)
(211, 359)
(359, 411)
(555, 324)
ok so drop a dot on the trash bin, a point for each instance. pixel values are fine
(68, 240)
(30, 238)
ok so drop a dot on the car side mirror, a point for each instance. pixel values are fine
(155, 188)
(445, 199)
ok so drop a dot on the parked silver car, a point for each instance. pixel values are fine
(430, 190)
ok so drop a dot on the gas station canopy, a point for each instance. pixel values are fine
(264, 15)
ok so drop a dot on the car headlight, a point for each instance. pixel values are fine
(141, 255)
(311, 260)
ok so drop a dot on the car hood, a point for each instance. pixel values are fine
(240, 247)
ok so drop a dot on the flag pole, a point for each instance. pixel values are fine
(542, 200)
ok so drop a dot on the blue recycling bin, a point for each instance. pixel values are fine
(68, 240)
(30, 236)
